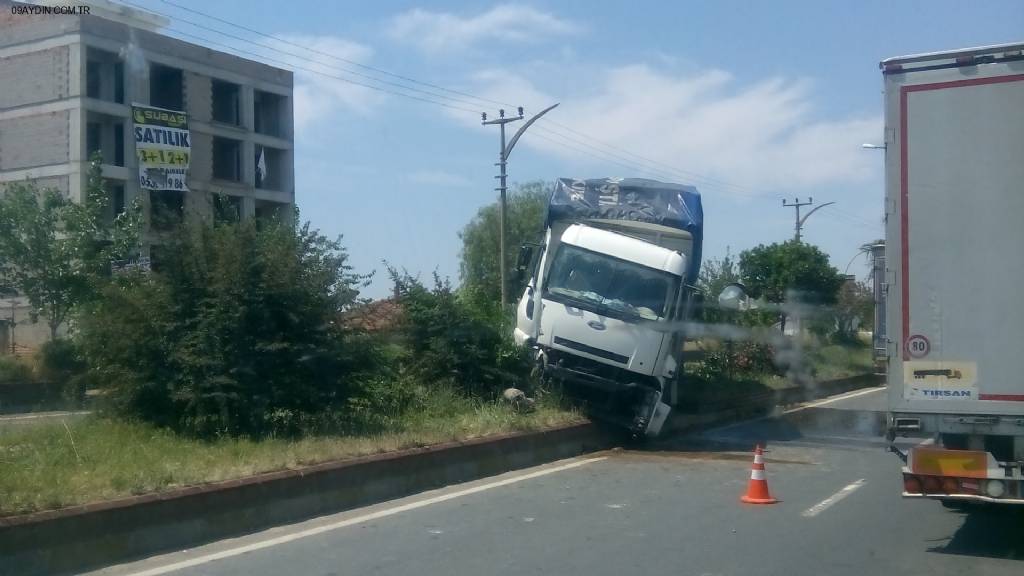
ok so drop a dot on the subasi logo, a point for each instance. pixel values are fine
(171, 119)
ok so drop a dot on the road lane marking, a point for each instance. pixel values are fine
(926, 442)
(828, 502)
(832, 399)
(358, 519)
(815, 404)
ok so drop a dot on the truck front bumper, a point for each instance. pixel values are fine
(648, 413)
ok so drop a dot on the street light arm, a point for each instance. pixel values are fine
(815, 209)
(512, 142)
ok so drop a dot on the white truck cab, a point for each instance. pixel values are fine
(602, 310)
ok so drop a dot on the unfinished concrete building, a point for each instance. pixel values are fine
(67, 85)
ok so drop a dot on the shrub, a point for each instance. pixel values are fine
(236, 334)
(451, 341)
(59, 362)
(14, 371)
(733, 360)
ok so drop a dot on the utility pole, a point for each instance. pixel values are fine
(13, 324)
(503, 153)
(800, 221)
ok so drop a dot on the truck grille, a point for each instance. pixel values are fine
(591, 350)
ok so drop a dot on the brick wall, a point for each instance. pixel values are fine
(31, 141)
(34, 77)
(20, 28)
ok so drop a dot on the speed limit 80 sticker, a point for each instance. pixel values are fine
(918, 346)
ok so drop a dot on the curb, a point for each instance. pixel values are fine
(94, 535)
(90, 536)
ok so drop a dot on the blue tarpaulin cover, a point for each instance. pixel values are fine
(635, 199)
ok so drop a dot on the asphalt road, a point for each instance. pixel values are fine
(669, 508)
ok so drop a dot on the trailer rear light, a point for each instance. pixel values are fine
(995, 488)
(911, 484)
(950, 485)
(970, 486)
(932, 484)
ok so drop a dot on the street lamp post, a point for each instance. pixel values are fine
(503, 155)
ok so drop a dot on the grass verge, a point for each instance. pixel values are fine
(49, 466)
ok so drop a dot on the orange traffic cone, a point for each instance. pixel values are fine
(757, 488)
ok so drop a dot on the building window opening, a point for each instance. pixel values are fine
(270, 166)
(227, 159)
(226, 98)
(92, 79)
(226, 208)
(166, 88)
(104, 76)
(105, 134)
(268, 113)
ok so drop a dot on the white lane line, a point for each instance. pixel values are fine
(828, 502)
(822, 402)
(358, 519)
(832, 399)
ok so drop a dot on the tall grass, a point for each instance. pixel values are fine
(49, 466)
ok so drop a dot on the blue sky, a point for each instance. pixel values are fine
(749, 101)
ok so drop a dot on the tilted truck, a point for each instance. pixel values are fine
(607, 291)
(954, 149)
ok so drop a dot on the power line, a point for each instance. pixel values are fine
(630, 158)
(838, 218)
(294, 55)
(602, 158)
(336, 57)
(687, 175)
(862, 220)
(348, 80)
(631, 164)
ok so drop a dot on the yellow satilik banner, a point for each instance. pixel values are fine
(163, 148)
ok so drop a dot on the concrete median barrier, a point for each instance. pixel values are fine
(93, 535)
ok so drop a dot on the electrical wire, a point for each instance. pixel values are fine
(611, 153)
(336, 57)
(591, 140)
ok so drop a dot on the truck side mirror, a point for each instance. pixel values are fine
(734, 297)
(525, 257)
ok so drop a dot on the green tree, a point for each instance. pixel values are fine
(53, 250)
(479, 269)
(715, 275)
(238, 332)
(775, 271)
(854, 310)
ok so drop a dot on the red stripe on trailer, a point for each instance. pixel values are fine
(1004, 397)
(904, 200)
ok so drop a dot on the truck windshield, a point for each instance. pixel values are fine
(596, 281)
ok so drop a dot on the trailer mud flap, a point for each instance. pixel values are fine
(658, 419)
